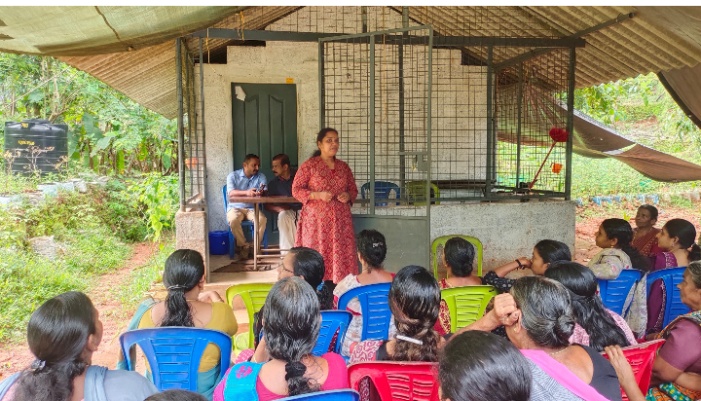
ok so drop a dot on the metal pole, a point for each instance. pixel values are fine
(203, 167)
(519, 105)
(429, 89)
(371, 123)
(181, 133)
(570, 123)
(490, 123)
(364, 16)
(402, 156)
(322, 91)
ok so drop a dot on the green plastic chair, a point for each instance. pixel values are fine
(440, 242)
(253, 296)
(467, 304)
(415, 193)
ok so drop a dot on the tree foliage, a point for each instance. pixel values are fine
(107, 131)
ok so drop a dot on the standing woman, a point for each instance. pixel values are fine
(326, 188)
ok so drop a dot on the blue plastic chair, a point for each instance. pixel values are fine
(673, 301)
(332, 321)
(382, 191)
(244, 224)
(374, 304)
(614, 292)
(331, 395)
(174, 353)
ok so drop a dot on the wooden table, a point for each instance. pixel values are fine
(257, 201)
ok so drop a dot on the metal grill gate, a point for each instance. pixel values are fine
(375, 89)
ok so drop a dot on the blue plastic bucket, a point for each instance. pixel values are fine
(218, 242)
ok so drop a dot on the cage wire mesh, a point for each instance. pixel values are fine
(192, 191)
(375, 92)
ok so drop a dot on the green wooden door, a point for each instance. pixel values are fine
(265, 123)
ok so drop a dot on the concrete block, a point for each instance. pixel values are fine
(191, 233)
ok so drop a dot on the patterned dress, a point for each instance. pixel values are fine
(327, 226)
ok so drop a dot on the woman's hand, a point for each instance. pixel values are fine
(624, 372)
(525, 262)
(343, 197)
(323, 195)
(505, 309)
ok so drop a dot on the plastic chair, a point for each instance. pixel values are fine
(174, 353)
(467, 304)
(614, 292)
(415, 193)
(374, 305)
(407, 381)
(332, 321)
(641, 358)
(244, 224)
(331, 395)
(440, 242)
(673, 302)
(253, 296)
(383, 189)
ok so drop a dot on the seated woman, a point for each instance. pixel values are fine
(414, 299)
(677, 240)
(476, 366)
(459, 257)
(63, 333)
(544, 253)
(307, 264)
(372, 250)
(538, 318)
(291, 322)
(617, 254)
(596, 326)
(645, 233)
(186, 305)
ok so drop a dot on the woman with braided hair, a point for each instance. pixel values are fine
(414, 299)
(63, 333)
(291, 322)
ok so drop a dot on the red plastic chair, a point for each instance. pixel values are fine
(406, 381)
(641, 358)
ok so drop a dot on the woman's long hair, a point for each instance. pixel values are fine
(57, 334)
(476, 366)
(309, 263)
(414, 299)
(623, 232)
(588, 310)
(546, 312)
(291, 320)
(460, 256)
(183, 272)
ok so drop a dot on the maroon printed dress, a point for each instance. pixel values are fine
(327, 226)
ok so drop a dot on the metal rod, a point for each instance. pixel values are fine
(519, 105)
(322, 89)
(364, 16)
(402, 127)
(203, 167)
(429, 90)
(490, 122)
(371, 123)
(405, 17)
(181, 134)
(570, 123)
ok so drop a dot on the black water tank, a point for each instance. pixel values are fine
(37, 140)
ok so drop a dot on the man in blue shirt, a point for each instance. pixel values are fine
(247, 181)
(281, 185)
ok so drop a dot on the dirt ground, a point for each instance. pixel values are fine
(115, 319)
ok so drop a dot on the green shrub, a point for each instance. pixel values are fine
(141, 279)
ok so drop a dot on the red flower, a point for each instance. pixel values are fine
(559, 134)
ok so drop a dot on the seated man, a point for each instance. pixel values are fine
(245, 182)
(281, 185)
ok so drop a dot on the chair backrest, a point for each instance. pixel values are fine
(174, 353)
(406, 381)
(673, 302)
(415, 193)
(383, 190)
(331, 395)
(614, 292)
(641, 358)
(374, 305)
(332, 322)
(226, 198)
(467, 304)
(438, 246)
(253, 296)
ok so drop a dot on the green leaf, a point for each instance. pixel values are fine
(167, 161)
(35, 97)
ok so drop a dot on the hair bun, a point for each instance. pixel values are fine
(564, 326)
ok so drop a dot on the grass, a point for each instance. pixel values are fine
(142, 278)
